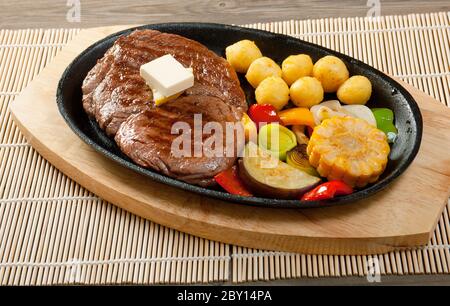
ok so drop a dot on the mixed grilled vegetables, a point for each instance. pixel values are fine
(298, 145)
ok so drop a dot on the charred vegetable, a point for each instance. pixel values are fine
(327, 191)
(297, 116)
(262, 114)
(267, 176)
(361, 112)
(299, 159)
(277, 139)
(230, 181)
(299, 131)
(348, 149)
(333, 108)
(385, 122)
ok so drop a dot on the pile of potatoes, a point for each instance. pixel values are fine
(298, 79)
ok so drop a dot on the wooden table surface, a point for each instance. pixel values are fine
(53, 14)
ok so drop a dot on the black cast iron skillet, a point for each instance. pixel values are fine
(386, 93)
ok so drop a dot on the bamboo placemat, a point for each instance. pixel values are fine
(53, 231)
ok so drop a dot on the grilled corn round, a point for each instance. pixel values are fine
(348, 149)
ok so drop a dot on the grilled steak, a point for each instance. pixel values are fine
(147, 139)
(113, 89)
(116, 95)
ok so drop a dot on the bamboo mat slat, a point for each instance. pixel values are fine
(53, 231)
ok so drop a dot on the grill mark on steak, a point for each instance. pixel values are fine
(212, 73)
(92, 80)
(123, 95)
(118, 98)
(146, 138)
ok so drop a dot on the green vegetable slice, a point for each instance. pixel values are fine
(385, 122)
(277, 139)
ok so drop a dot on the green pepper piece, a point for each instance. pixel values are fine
(385, 122)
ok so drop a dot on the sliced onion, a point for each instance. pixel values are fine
(298, 158)
(333, 108)
(299, 131)
(362, 112)
(334, 105)
(321, 112)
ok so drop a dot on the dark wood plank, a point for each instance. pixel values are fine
(385, 280)
(50, 13)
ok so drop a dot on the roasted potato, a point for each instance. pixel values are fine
(331, 72)
(241, 54)
(260, 69)
(295, 67)
(273, 90)
(306, 92)
(356, 90)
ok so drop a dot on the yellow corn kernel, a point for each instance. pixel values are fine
(348, 149)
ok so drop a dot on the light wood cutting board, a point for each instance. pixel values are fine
(402, 216)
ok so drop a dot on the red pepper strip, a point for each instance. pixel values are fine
(310, 131)
(230, 181)
(327, 191)
(262, 114)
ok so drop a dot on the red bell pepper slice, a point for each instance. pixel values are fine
(310, 131)
(230, 181)
(327, 191)
(263, 114)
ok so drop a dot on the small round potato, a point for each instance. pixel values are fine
(241, 54)
(295, 67)
(306, 92)
(356, 90)
(331, 72)
(273, 90)
(260, 69)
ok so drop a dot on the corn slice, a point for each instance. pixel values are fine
(348, 149)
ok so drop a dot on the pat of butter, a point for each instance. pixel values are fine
(167, 78)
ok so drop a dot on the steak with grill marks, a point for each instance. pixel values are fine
(118, 98)
(147, 139)
(114, 89)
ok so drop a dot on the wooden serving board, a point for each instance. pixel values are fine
(402, 216)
